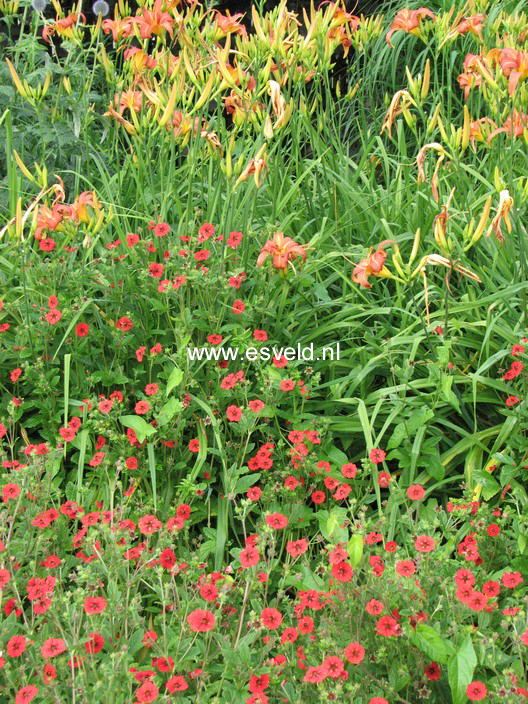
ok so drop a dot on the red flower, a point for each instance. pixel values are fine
(95, 644)
(342, 571)
(26, 694)
(416, 492)
(424, 543)
(194, 445)
(376, 455)
(94, 605)
(52, 647)
(511, 579)
(53, 316)
(258, 683)
(405, 568)
(124, 324)
(260, 335)
(387, 626)
(256, 405)
(161, 229)
(271, 618)
(238, 307)
(249, 557)
(297, 547)
(16, 646)
(176, 684)
(476, 691)
(149, 524)
(287, 385)
(276, 520)
(201, 620)
(234, 413)
(214, 339)
(254, 493)
(82, 329)
(432, 671)
(349, 470)
(142, 407)
(354, 653)
(318, 497)
(148, 692)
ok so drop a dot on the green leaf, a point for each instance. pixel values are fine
(460, 670)
(429, 642)
(245, 482)
(174, 380)
(139, 425)
(448, 393)
(355, 550)
(169, 410)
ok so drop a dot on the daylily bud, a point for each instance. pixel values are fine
(433, 120)
(465, 131)
(67, 85)
(426, 80)
(482, 222)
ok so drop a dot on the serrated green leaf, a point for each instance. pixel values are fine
(460, 670)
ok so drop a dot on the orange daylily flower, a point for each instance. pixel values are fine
(515, 127)
(409, 21)
(373, 265)
(138, 59)
(154, 21)
(63, 27)
(228, 24)
(472, 24)
(514, 64)
(51, 219)
(79, 208)
(480, 130)
(118, 27)
(282, 249)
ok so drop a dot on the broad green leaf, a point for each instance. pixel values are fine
(139, 425)
(460, 670)
(174, 380)
(355, 550)
(169, 410)
(429, 642)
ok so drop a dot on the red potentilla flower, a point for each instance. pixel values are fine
(16, 645)
(131, 463)
(142, 407)
(374, 607)
(280, 362)
(97, 459)
(249, 557)
(202, 255)
(179, 281)
(132, 239)
(147, 692)
(53, 316)
(387, 626)
(511, 579)
(464, 577)
(209, 592)
(476, 691)
(405, 568)
(50, 673)
(177, 683)
(416, 492)
(15, 375)
(200, 620)
(254, 493)
(287, 385)
(238, 307)
(376, 455)
(47, 244)
(94, 605)
(517, 349)
(318, 497)
(260, 335)
(258, 683)
(491, 589)
(149, 524)
(276, 520)
(124, 324)
(271, 618)
(305, 625)
(53, 302)
(9, 491)
(105, 406)
(314, 675)
(354, 653)
(95, 644)
(156, 270)
(349, 470)
(342, 492)
(256, 405)
(296, 436)
(477, 601)
(82, 329)
(234, 413)
(26, 694)
(333, 666)
(493, 530)
(234, 239)
(384, 479)
(151, 389)
(149, 638)
(342, 571)
(4, 578)
(289, 635)
(167, 559)
(432, 671)
(214, 339)
(424, 543)
(378, 700)
(161, 229)
(512, 401)
(206, 231)
(52, 647)
(297, 547)
(291, 483)
(194, 445)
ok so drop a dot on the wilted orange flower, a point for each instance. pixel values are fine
(409, 21)
(282, 249)
(373, 265)
(503, 213)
